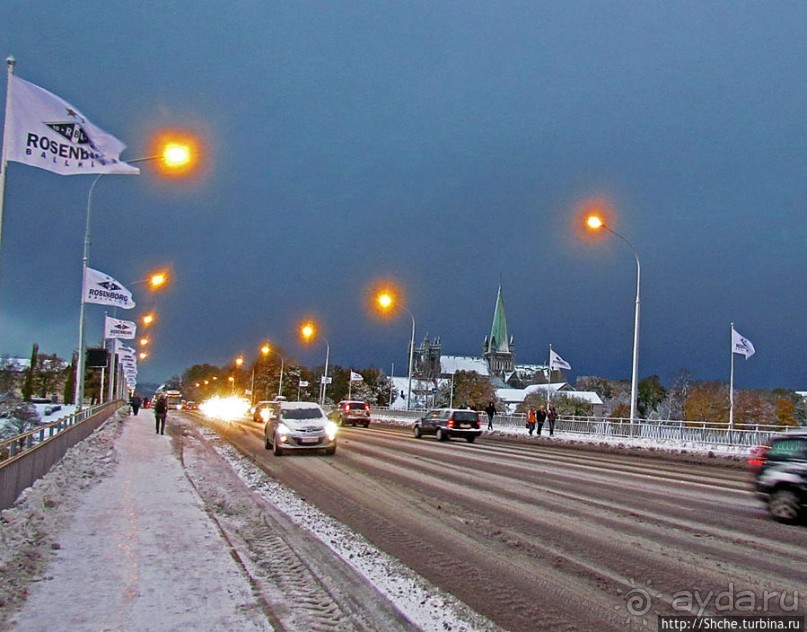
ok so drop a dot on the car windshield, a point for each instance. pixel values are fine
(302, 413)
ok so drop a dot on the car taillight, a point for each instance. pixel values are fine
(758, 457)
(346, 407)
(367, 407)
(451, 422)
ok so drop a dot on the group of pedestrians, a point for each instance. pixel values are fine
(160, 410)
(535, 418)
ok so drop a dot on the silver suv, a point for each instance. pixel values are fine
(300, 426)
(445, 423)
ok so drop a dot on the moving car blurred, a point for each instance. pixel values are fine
(780, 475)
(445, 423)
(190, 405)
(300, 426)
(257, 411)
(353, 412)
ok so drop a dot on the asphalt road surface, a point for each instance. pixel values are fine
(546, 537)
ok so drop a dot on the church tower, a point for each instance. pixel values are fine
(499, 349)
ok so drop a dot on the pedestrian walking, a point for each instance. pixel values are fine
(134, 403)
(551, 416)
(531, 421)
(540, 418)
(490, 410)
(160, 413)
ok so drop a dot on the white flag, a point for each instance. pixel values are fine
(115, 328)
(556, 362)
(741, 345)
(103, 289)
(303, 383)
(47, 132)
(122, 350)
(356, 377)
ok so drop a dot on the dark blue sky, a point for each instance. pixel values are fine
(442, 144)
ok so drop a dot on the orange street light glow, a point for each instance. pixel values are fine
(143, 355)
(265, 349)
(148, 319)
(594, 222)
(176, 155)
(239, 361)
(144, 342)
(385, 300)
(307, 331)
(158, 279)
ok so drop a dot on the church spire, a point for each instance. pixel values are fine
(499, 341)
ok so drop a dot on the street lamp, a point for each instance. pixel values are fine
(266, 350)
(308, 331)
(386, 301)
(173, 156)
(595, 222)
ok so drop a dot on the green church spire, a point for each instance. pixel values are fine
(499, 341)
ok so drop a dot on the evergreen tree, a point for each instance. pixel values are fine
(30, 375)
(69, 393)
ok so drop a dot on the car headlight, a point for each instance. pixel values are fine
(331, 429)
(283, 430)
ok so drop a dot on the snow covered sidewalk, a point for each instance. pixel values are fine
(141, 553)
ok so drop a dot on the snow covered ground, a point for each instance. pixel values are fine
(139, 531)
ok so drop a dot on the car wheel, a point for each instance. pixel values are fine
(784, 505)
(442, 435)
(330, 451)
(366, 424)
(417, 432)
(276, 449)
(470, 438)
(266, 443)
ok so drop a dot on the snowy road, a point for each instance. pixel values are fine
(542, 537)
(202, 531)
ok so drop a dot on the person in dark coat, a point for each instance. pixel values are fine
(540, 418)
(135, 403)
(160, 413)
(551, 416)
(490, 410)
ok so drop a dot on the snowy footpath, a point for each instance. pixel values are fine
(142, 554)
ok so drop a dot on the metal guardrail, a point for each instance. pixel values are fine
(22, 443)
(28, 456)
(695, 432)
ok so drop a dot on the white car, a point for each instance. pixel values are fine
(300, 426)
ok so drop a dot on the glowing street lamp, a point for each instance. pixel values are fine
(308, 331)
(265, 351)
(148, 319)
(173, 158)
(385, 300)
(144, 341)
(142, 355)
(595, 222)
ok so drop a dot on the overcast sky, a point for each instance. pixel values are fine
(445, 145)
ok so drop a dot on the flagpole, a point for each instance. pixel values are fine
(84, 264)
(549, 376)
(3, 162)
(731, 382)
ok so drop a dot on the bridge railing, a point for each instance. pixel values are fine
(28, 456)
(695, 432)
